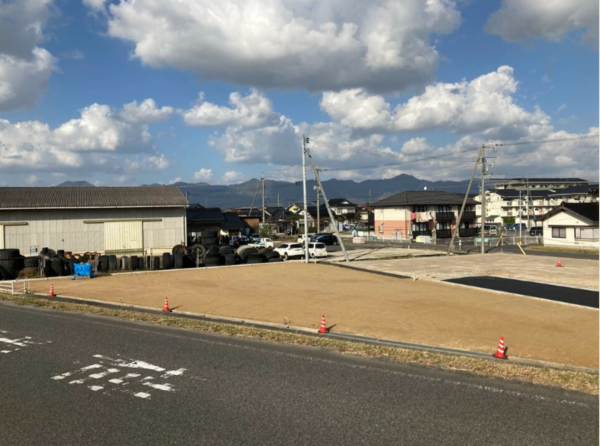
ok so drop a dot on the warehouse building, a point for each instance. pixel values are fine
(110, 220)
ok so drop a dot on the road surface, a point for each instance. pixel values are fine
(87, 380)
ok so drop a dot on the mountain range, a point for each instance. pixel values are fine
(284, 193)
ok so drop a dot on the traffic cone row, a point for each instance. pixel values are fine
(502, 351)
(51, 293)
(166, 308)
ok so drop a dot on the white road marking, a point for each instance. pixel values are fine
(165, 387)
(17, 343)
(127, 382)
(13, 342)
(5, 351)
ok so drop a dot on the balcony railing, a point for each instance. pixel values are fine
(469, 215)
(440, 216)
(467, 232)
(443, 233)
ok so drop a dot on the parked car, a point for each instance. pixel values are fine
(490, 229)
(328, 239)
(255, 237)
(290, 250)
(301, 236)
(317, 250)
(518, 226)
(239, 240)
(264, 243)
(536, 230)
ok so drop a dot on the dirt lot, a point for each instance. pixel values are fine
(575, 272)
(363, 303)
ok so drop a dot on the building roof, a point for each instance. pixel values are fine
(591, 189)
(89, 197)
(423, 198)
(198, 213)
(232, 221)
(513, 193)
(587, 212)
(341, 202)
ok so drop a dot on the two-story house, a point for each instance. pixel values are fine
(413, 213)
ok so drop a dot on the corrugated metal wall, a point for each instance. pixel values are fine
(65, 229)
(123, 237)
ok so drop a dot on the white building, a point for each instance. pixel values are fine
(110, 220)
(572, 225)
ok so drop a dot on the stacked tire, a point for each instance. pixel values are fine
(209, 238)
(212, 259)
(11, 263)
(167, 261)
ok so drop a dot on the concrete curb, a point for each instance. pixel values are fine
(313, 332)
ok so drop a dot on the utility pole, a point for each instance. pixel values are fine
(528, 198)
(483, 199)
(277, 199)
(306, 254)
(369, 202)
(254, 200)
(462, 208)
(318, 211)
(263, 200)
(322, 191)
(520, 216)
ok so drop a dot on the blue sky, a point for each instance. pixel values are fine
(378, 84)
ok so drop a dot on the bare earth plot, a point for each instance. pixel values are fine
(361, 303)
(575, 272)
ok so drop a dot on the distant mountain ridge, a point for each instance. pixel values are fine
(242, 194)
(75, 184)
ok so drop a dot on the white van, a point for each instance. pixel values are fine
(301, 237)
(317, 250)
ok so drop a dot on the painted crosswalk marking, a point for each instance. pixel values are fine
(109, 375)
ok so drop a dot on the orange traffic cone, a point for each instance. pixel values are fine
(166, 308)
(323, 328)
(502, 352)
(558, 264)
(51, 293)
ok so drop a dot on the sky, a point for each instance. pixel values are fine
(131, 92)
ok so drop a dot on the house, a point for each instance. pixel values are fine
(109, 220)
(341, 206)
(572, 225)
(322, 216)
(413, 213)
(538, 183)
(232, 224)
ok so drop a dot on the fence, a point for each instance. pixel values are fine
(13, 287)
(508, 241)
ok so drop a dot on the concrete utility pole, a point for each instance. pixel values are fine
(528, 198)
(306, 254)
(277, 199)
(483, 199)
(520, 216)
(263, 200)
(322, 191)
(462, 208)
(318, 211)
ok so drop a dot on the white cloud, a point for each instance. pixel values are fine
(381, 45)
(483, 103)
(561, 108)
(25, 68)
(204, 175)
(97, 141)
(145, 112)
(95, 5)
(231, 177)
(518, 20)
(251, 110)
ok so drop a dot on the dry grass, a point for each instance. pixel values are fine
(569, 380)
(559, 249)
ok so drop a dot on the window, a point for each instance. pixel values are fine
(419, 209)
(443, 226)
(559, 232)
(417, 227)
(444, 209)
(586, 233)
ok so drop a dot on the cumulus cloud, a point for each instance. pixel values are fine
(518, 21)
(483, 103)
(231, 177)
(99, 140)
(25, 68)
(145, 112)
(380, 45)
(204, 175)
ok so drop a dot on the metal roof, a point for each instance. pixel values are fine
(423, 198)
(89, 197)
(198, 213)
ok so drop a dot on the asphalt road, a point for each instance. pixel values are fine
(84, 380)
(576, 296)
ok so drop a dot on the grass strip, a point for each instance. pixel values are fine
(560, 249)
(569, 380)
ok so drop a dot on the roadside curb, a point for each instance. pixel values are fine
(340, 336)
